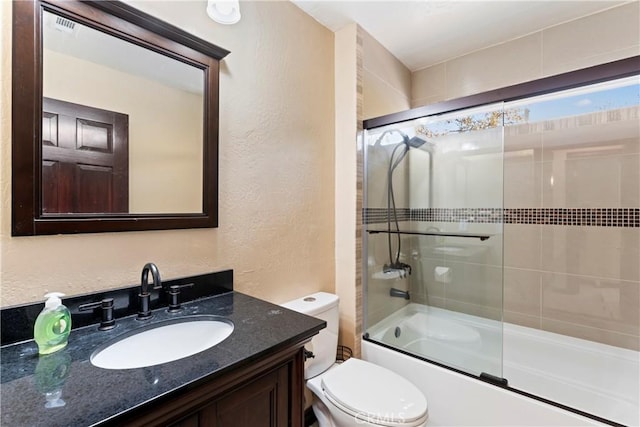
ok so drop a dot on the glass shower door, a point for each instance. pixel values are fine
(433, 238)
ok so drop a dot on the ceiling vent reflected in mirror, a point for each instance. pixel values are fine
(61, 24)
(65, 25)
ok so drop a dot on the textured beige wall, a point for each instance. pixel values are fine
(165, 131)
(386, 81)
(276, 172)
(595, 39)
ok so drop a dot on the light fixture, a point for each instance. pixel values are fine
(224, 11)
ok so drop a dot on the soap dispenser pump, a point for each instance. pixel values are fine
(53, 325)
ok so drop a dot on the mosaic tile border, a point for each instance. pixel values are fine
(378, 215)
(590, 217)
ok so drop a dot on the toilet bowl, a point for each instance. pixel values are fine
(355, 392)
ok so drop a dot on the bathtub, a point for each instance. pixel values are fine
(593, 378)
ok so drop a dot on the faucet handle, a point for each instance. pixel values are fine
(174, 293)
(107, 322)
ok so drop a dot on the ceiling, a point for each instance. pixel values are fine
(84, 43)
(422, 33)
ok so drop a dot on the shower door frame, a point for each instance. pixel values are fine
(572, 79)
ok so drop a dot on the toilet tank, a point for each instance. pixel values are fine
(323, 345)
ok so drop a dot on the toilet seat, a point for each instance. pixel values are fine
(374, 394)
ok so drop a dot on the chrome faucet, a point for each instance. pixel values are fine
(145, 295)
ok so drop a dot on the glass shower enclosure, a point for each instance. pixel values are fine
(502, 241)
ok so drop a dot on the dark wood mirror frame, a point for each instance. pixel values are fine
(127, 23)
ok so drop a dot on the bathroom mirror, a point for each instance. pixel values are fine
(115, 121)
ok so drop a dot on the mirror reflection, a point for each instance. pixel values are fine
(122, 125)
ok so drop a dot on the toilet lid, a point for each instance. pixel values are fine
(374, 393)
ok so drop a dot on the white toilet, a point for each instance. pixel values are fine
(355, 392)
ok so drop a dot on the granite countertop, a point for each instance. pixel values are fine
(93, 396)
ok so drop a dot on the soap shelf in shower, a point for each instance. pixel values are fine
(432, 233)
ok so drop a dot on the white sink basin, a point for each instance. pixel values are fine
(162, 342)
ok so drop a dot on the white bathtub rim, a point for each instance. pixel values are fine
(494, 403)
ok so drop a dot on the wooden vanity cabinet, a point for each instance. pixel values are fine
(264, 393)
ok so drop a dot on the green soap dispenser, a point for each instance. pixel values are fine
(53, 325)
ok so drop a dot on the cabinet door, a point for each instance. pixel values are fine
(267, 393)
(261, 403)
